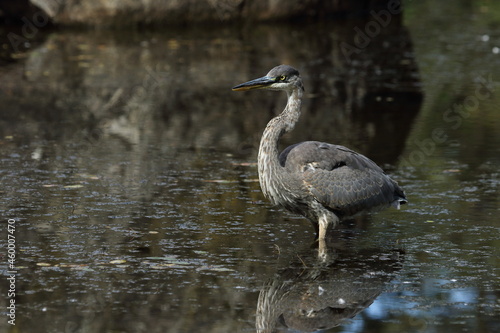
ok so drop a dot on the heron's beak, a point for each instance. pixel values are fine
(259, 83)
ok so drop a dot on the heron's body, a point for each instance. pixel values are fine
(321, 181)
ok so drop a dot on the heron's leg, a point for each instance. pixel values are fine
(322, 251)
(326, 222)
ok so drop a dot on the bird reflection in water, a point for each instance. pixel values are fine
(312, 294)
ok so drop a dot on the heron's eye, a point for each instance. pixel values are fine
(282, 78)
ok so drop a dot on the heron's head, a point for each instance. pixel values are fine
(282, 77)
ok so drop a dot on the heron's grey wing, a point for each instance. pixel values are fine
(340, 179)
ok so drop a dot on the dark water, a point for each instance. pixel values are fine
(128, 166)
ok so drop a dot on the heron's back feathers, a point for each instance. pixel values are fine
(342, 180)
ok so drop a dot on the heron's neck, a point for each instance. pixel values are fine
(268, 159)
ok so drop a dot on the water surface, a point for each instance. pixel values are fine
(129, 167)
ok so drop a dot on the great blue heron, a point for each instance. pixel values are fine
(321, 181)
